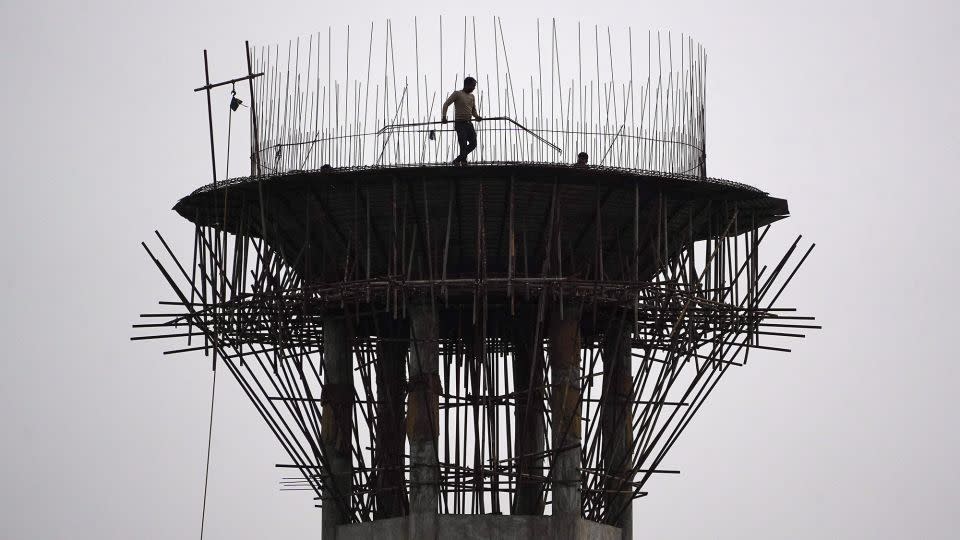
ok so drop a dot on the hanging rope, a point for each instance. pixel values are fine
(235, 103)
(206, 476)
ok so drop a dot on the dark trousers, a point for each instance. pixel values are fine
(466, 138)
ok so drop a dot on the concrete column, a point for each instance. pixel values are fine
(337, 423)
(616, 423)
(528, 367)
(391, 375)
(423, 414)
(564, 342)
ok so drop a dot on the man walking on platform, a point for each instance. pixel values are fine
(464, 109)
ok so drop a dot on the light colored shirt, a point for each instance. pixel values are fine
(464, 106)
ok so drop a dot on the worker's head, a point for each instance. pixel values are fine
(582, 158)
(469, 84)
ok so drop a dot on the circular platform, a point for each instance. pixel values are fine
(370, 221)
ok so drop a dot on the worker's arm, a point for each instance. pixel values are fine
(446, 105)
(475, 113)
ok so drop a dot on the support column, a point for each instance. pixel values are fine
(564, 336)
(617, 426)
(391, 375)
(337, 423)
(528, 369)
(423, 414)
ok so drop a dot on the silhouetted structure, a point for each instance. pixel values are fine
(510, 348)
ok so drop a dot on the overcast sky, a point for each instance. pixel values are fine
(847, 109)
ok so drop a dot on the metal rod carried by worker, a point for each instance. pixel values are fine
(464, 110)
(398, 127)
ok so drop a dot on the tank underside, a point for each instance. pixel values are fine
(510, 347)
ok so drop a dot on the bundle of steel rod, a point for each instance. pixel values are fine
(487, 341)
(355, 97)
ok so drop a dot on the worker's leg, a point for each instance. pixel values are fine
(462, 139)
(471, 136)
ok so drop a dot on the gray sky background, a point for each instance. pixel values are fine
(847, 109)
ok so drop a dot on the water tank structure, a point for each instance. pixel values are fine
(506, 348)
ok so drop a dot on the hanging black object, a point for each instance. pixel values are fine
(433, 135)
(235, 102)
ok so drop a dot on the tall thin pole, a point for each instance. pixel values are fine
(213, 156)
(255, 143)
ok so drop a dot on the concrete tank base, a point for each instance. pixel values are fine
(482, 527)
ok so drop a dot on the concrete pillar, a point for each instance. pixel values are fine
(423, 414)
(616, 424)
(337, 423)
(391, 376)
(564, 342)
(528, 367)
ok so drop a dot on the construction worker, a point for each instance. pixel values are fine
(464, 109)
(582, 159)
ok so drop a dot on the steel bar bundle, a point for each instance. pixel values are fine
(650, 293)
(357, 98)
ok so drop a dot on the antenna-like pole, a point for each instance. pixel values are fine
(255, 143)
(213, 156)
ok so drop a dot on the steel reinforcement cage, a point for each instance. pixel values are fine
(311, 112)
(519, 336)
